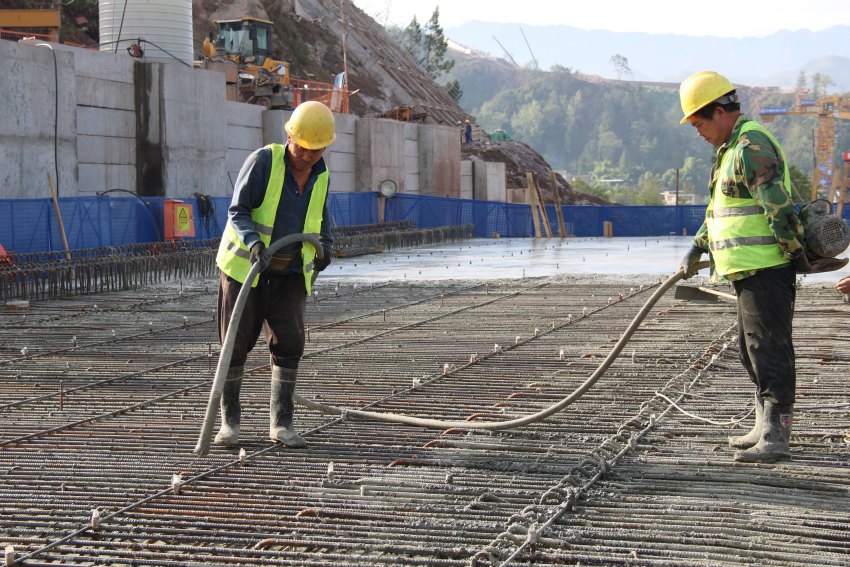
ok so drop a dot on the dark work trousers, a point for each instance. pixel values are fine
(765, 313)
(277, 306)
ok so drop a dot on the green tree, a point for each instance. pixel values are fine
(621, 65)
(454, 90)
(597, 190)
(801, 82)
(529, 121)
(576, 124)
(800, 183)
(411, 38)
(649, 190)
(693, 176)
(820, 83)
(428, 45)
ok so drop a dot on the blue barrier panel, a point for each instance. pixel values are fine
(587, 221)
(25, 225)
(134, 221)
(506, 219)
(87, 224)
(220, 206)
(348, 209)
(632, 221)
(31, 225)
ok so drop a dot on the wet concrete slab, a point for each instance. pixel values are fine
(510, 258)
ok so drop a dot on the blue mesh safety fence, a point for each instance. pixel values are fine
(31, 225)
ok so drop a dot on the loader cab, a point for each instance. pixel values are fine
(249, 38)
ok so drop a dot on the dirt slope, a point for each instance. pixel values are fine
(308, 34)
(521, 158)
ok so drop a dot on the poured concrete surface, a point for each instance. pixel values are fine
(486, 259)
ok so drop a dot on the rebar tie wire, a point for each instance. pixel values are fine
(524, 529)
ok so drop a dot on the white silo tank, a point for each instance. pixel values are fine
(165, 26)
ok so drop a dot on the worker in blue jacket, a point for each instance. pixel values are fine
(281, 190)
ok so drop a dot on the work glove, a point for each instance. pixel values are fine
(801, 263)
(690, 261)
(319, 265)
(258, 255)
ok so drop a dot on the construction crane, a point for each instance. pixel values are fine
(508, 53)
(828, 110)
(533, 58)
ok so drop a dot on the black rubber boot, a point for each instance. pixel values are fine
(281, 408)
(231, 410)
(751, 438)
(776, 432)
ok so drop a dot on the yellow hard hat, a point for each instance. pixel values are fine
(701, 89)
(311, 125)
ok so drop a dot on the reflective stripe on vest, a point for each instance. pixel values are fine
(739, 235)
(739, 212)
(233, 256)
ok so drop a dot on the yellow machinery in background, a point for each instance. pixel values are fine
(13, 21)
(258, 78)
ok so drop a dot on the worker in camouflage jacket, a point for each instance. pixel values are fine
(754, 239)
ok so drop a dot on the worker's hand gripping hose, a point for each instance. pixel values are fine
(526, 420)
(203, 446)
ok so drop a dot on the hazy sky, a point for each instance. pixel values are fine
(733, 19)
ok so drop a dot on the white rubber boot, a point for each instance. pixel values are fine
(748, 440)
(775, 435)
(281, 408)
(231, 410)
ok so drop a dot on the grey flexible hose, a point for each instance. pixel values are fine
(227, 352)
(203, 445)
(518, 422)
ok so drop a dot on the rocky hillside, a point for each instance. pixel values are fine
(520, 158)
(308, 34)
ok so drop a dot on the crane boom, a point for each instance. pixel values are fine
(533, 58)
(828, 109)
(511, 57)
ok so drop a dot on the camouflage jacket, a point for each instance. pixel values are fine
(758, 175)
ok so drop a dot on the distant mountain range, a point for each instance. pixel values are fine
(775, 60)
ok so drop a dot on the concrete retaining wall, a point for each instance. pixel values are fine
(31, 136)
(466, 183)
(439, 161)
(245, 133)
(163, 129)
(106, 122)
(381, 148)
(483, 180)
(489, 181)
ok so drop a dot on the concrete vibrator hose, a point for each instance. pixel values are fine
(203, 445)
(348, 413)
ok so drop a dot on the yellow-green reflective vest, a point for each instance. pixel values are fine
(739, 236)
(233, 256)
